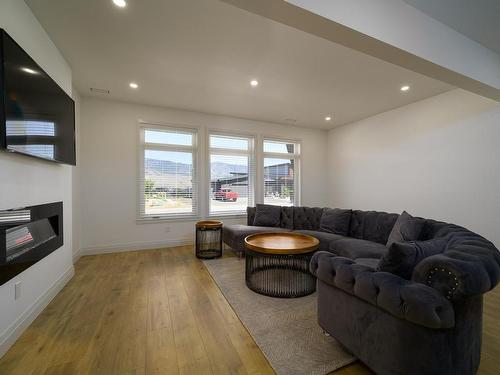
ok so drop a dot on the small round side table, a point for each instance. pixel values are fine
(208, 239)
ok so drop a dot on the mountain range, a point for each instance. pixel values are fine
(218, 169)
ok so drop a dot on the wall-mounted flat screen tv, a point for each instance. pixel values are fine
(37, 117)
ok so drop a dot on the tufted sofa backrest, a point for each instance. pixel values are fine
(372, 225)
(469, 265)
(455, 235)
(366, 225)
(287, 218)
(307, 218)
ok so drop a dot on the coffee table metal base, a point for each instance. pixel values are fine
(282, 276)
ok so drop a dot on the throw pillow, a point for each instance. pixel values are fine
(406, 228)
(335, 220)
(403, 257)
(267, 215)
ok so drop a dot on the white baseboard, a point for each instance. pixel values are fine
(11, 334)
(77, 256)
(135, 246)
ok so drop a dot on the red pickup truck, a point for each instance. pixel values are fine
(226, 195)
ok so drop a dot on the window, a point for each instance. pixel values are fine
(169, 177)
(231, 187)
(281, 172)
(168, 172)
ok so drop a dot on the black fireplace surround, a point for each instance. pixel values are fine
(28, 235)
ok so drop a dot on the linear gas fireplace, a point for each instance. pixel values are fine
(28, 235)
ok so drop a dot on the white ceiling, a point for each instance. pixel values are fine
(479, 20)
(201, 54)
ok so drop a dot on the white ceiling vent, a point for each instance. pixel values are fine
(99, 91)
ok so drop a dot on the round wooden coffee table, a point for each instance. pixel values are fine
(277, 264)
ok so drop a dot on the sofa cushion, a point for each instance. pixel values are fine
(267, 215)
(406, 228)
(286, 220)
(250, 215)
(234, 235)
(402, 257)
(307, 217)
(353, 248)
(369, 262)
(372, 225)
(324, 238)
(335, 220)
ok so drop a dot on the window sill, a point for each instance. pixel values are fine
(162, 219)
(227, 216)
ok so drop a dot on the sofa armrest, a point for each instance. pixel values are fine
(405, 299)
(458, 274)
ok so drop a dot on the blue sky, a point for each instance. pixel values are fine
(229, 143)
(152, 136)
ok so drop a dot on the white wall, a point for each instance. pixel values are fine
(437, 158)
(109, 161)
(27, 181)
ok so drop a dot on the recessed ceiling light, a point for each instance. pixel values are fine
(254, 83)
(133, 85)
(405, 88)
(328, 118)
(28, 70)
(120, 3)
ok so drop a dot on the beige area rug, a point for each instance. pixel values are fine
(286, 330)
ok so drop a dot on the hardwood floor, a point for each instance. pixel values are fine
(158, 312)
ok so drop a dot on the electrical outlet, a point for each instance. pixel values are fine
(17, 290)
(167, 229)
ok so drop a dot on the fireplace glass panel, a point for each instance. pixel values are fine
(23, 238)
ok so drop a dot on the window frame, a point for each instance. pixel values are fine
(296, 156)
(251, 153)
(201, 168)
(142, 146)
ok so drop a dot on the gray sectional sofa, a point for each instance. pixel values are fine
(413, 307)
